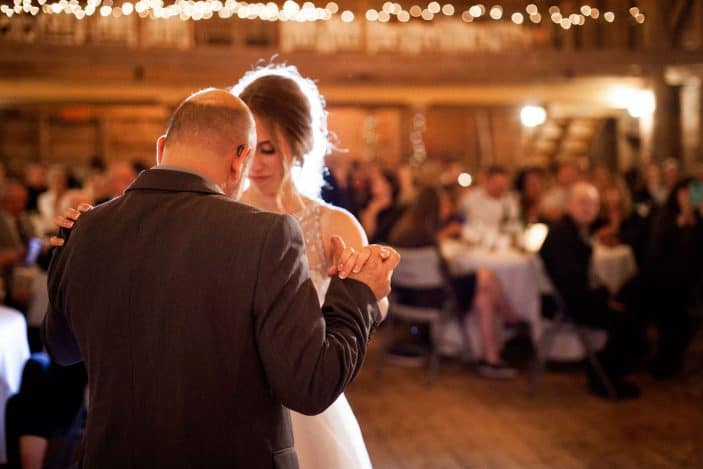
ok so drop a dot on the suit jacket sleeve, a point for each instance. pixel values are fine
(55, 330)
(309, 357)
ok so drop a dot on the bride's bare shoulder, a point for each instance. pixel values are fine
(337, 221)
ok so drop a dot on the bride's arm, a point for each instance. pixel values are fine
(337, 221)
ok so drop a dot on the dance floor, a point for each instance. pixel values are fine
(465, 421)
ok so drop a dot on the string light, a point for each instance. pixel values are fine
(291, 10)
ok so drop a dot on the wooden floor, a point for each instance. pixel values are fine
(465, 421)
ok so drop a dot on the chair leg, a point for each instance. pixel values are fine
(544, 348)
(595, 363)
(384, 345)
(467, 353)
(433, 365)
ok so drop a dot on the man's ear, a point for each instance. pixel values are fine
(160, 143)
(239, 161)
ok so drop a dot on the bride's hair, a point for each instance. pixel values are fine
(292, 107)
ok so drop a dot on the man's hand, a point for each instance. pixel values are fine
(372, 266)
(67, 220)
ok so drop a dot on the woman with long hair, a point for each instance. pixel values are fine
(285, 176)
(423, 225)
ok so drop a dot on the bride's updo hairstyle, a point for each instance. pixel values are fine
(293, 110)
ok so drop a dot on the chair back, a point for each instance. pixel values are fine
(419, 268)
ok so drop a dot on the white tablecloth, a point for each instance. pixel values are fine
(14, 352)
(517, 274)
(613, 265)
(523, 279)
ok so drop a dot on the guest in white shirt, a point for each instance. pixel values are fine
(556, 199)
(492, 205)
(50, 200)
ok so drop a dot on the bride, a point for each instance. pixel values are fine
(285, 176)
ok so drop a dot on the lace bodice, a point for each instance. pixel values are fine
(309, 219)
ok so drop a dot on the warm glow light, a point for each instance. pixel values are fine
(465, 179)
(517, 18)
(609, 16)
(534, 236)
(536, 18)
(638, 102)
(372, 15)
(477, 10)
(347, 16)
(496, 12)
(127, 8)
(531, 9)
(533, 116)
(434, 7)
(586, 10)
(332, 7)
(415, 11)
(427, 15)
(403, 16)
(448, 9)
(466, 16)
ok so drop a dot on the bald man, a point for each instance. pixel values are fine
(195, 315)
(567, 253)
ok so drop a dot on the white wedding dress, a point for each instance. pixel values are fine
(332, 439)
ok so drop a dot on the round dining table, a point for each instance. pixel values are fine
(518, 274)
(14, 352)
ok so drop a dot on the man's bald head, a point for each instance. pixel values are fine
(213, 119)
(211, 133)
(583, 203)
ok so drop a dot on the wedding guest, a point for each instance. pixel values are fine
(652, 193)
(671, 173)
(49, 201)
(16, 229)
(567, 254)
(619, 223)
(47, 406)
(119, 176)
(556, 199)
(423, 226)
(674, 274)
(336, 191)
(35, 182)
(529, 184)
(492, 205)
(382, 210)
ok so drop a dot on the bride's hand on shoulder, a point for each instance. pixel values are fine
(67, 221)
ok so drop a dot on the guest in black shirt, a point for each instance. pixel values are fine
(567, 254)
(383, 210)
(674, 275)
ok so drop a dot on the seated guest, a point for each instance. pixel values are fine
(652, 192)
(16, 229)
(35, 182)
(422, 226)
(49, 201)
(567, 256)
(382, 211)
(556, 199)
(674, 274)
(119, 176)
(491, 204)
(335, 191)
(620, 224)
(47, 406)
(529, 184)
